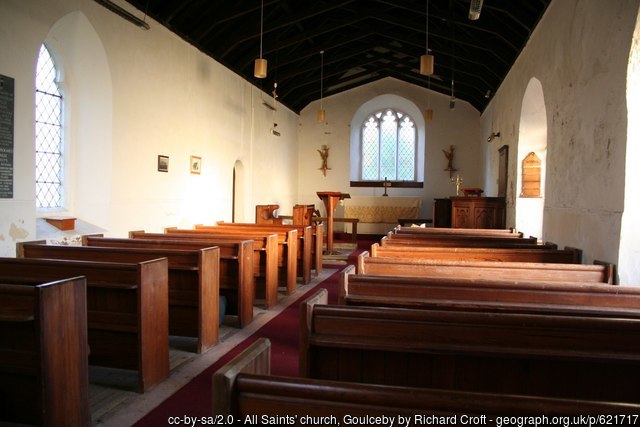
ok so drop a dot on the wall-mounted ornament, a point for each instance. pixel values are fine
(324, 155)
(195, 164)
(163, 163)
(449, 155)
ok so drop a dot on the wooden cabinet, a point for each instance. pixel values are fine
(478, 212)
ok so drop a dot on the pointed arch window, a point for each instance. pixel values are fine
(48, 130)
(388, 147)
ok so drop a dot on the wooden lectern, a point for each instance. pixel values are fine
(330, 200)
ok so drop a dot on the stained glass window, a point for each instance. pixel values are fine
(388, 147)
(49, 167)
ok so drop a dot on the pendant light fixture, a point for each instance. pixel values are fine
(260, 64)
(428, 113)
(452, 101)
(427, 60)
(321, 113)
(475, 7)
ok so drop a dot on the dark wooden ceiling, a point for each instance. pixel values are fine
(363, 41)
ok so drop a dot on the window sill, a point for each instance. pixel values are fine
(392, 184)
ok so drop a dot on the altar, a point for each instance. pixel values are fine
(378, 214)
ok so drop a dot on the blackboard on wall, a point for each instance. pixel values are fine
(7, 94)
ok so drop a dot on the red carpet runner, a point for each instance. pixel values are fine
(194, 399)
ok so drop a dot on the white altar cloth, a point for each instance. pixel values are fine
(382, 212)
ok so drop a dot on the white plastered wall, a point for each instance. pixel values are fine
(579, 53)
(445, 130)
(167, 98)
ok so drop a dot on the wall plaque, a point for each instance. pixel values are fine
(7, 90)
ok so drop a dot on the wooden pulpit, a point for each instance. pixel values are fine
(330, 200)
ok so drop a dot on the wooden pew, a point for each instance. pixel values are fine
(244, 389)
(287, 244)
(237, 283)
(597, 273)
(393, 239)
(43, 353)
(127, 310)
(562, 256)
(319, 220)
(444, 231)
(452, 293)
(310, 244)
(572, 357)
(193, 282)
(265, 253)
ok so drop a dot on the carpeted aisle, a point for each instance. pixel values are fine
(194, 399)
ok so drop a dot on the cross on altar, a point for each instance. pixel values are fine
(457, 182)
(386, 184)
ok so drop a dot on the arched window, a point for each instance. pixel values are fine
(388, 147)
(49, 154)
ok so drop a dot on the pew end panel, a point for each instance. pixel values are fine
(255, 359)
(321, 296)
(153, 323)
(611, 275)
(343, 290)
(44, 356)
(361, 262)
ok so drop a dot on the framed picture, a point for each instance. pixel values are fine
(163, 163)
(196, 164)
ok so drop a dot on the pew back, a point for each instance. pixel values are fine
(600, 273)
(449, 293)
(193, 282)
(562, 256)
(571, 357)
(467, 241)
(265, 253)
(247, 391)
(306, 245)
(127, 310)
(236, 266)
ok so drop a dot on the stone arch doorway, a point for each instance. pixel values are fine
(532, 139)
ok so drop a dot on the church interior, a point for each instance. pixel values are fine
(143, 115)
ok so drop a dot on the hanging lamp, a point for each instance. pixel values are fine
(321, 116)
(427, 60)
(475, 7)
(428, 113)
(260, 64)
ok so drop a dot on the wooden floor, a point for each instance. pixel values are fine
(113, 401)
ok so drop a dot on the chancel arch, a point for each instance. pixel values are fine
(532, 154)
